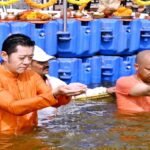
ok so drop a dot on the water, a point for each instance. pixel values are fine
(85, 126)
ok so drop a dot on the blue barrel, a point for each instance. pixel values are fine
(5, 31)
(134, 36)
(85, 75)
(122, 47)
(116, 37)
(89, 38)
(21, 27)
(127, 65)
(128, 38)
(95, 36)
(96, 69)
(110, 36)
(69, 69)
(51, 29)
(38, 35)
(45, 36)
(110, 69)
(144, 34)
(67, 40)
(90, 73)
(53, 68)
(83, 40)
(77, 40)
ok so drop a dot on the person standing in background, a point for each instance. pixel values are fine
(40, 64)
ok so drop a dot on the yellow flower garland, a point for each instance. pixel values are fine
(78, 2)
(40, 6)
(142, 3)
(8, 2)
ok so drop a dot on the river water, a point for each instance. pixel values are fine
(90, 125)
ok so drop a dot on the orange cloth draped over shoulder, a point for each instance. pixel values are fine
(127, 102)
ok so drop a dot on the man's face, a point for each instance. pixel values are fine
(40, 67)
(143, 71)
(20, 60)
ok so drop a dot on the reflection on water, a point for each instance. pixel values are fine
(85, 126)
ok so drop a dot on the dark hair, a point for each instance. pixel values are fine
(11, 42)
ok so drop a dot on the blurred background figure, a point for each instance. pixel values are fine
(40, 64)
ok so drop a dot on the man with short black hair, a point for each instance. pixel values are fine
(23, 91)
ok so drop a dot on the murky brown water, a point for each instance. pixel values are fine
(85, 126)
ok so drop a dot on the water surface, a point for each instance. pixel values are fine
(89, 125)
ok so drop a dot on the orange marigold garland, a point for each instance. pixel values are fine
(40, 6)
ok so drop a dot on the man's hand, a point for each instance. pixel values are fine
(72, 89)
(111, 90)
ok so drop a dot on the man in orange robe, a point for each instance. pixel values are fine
(22, 91)
(133, 92)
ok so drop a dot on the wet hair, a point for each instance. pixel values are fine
(11, 42)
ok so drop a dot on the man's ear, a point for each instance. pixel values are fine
(136, 66)
(4, 56)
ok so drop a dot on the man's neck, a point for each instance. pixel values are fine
(5, 66)
(44, 77)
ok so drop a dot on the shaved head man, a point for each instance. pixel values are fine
(133, 92)
(142, 66)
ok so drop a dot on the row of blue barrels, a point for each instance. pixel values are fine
(94, 71)
(85, 38)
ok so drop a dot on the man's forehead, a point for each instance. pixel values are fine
(143, 57)
(24, 49)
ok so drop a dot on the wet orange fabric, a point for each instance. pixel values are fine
(127, 102)
(20, 97)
